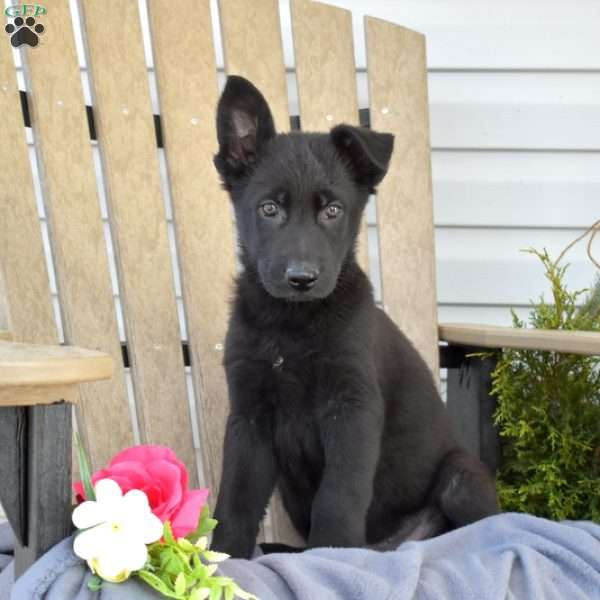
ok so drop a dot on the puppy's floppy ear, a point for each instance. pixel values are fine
(244, 125)
(368, 152)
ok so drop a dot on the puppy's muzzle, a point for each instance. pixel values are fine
(301, 278)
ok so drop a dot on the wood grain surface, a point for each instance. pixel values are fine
(77, 236)
(137, 216)
(397, 71)
(24, 284)
(251, 34)
(490, 336)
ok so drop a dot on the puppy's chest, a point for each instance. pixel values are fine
(291, 373)
(294, 387)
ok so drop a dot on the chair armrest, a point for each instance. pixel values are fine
(491, 336)
(41, 372)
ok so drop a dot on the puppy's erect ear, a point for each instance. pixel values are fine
(244, 125)
(367, 151)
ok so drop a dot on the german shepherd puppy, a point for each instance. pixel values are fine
(328, 399)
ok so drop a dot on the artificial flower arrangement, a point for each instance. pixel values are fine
(138, 518)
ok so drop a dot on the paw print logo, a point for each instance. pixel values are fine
(24, 32)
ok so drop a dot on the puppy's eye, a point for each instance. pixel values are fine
(333, 211)
(269, 209)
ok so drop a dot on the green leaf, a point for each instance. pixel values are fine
(211, 569)
(157, 583)
(84, 469)
(201, 543)
(179, 569)
(186, 546)
(168, 534)
(172, 564)
(94, 583)
(180, 584)
(216, 593)
(222, 581)
(215, 557)
(205, 525)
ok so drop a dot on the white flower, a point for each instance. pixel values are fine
(117, 529)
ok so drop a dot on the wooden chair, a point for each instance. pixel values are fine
(40, 379)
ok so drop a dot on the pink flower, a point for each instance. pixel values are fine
(156, 471)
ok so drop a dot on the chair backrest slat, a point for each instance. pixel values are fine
(326, 75)
(137, 215)
(398, 100)
(188, 93)
(252, 47)
(77, 240)
(325, 71)
(26, 288)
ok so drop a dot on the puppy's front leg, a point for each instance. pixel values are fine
(249, 468)
(351, 437)
(248, 480)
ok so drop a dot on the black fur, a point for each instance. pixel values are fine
(329, 400)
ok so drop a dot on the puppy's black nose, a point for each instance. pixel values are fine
(301, 278)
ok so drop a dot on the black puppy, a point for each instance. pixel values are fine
(329, 400)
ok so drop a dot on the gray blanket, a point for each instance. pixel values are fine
(507, 556)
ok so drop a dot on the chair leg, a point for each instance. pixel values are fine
(41, 478)
(13, 473)
(471, 407)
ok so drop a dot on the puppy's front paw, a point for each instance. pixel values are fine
(347, 536)
(236, 544)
